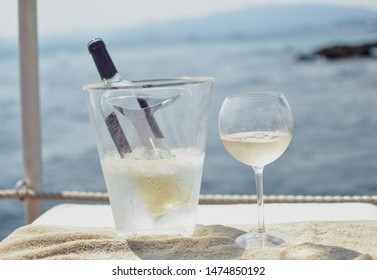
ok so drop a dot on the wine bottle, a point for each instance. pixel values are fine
(108, 74)
(148, 130)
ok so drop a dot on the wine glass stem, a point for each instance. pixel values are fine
(260, 205)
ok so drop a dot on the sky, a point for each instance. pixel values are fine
(66, 16)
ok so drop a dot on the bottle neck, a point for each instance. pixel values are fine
(102, 60)
(116, 79)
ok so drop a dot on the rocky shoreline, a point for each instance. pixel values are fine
(337, 52)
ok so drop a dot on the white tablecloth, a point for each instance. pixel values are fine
(240, 214)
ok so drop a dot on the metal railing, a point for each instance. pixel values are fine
(29, 86)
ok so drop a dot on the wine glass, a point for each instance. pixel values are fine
(256, 129)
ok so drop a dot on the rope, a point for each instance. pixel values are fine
(22, 192)
(249, 199)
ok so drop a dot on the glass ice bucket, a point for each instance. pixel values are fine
(151, 141)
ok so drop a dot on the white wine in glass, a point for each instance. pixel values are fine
(256, 129)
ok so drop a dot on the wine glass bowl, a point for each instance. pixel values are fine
(256, 129)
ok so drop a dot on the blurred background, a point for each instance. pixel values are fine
(245, 45)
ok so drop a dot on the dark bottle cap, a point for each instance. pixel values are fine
(102, 59)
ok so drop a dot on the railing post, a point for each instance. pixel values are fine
(29, 86)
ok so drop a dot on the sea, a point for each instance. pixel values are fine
(334, 103)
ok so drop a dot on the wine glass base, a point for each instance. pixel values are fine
(261, 240)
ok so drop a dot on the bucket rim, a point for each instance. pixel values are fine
(152, 83)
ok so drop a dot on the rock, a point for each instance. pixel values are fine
(341, 52)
